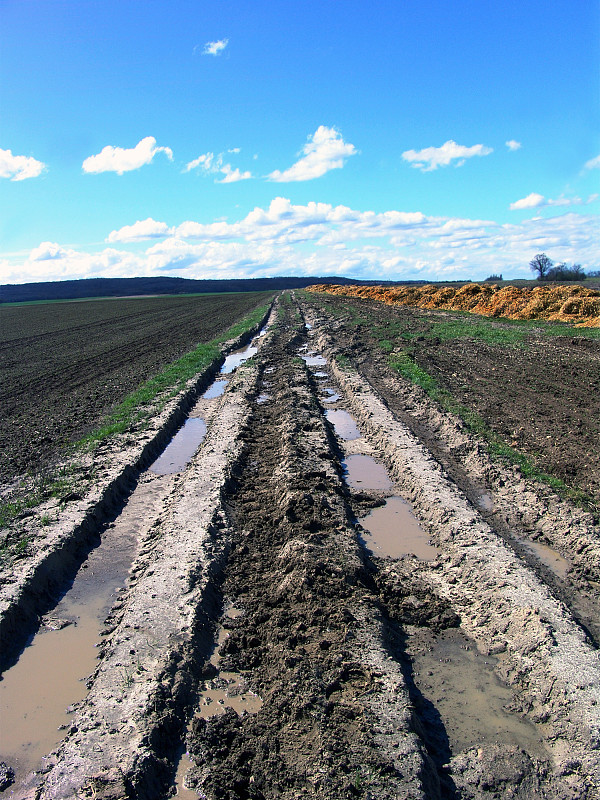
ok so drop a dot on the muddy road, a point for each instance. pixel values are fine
(326, 601)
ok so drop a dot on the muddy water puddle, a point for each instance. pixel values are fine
(464, 697)
(330, 395)
(50, 675)
(236, 358)
(559, 565)
(313, 360)
(225, 690)
(393, 531)
(363, 472)
(180, 450)
(343, 424)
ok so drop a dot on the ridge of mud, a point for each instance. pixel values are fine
(335, 720)
(160, 633)
(502, 605)
(29, 586)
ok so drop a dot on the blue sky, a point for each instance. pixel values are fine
(390, 140)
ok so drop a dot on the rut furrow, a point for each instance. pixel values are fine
(335, 719)
(125, 735)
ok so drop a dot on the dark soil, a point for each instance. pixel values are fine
(65, 365)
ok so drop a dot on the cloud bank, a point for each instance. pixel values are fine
(19, 168)
(319, 239)
(325, 150)
(120, 160)
(430, 158)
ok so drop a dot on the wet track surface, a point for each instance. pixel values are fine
(309, 607)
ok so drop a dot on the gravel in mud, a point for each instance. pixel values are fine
(463, 675)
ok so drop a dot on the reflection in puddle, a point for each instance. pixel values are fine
(263, 398)
(332, 395)
(216, 389)
(550, 558)
(363, 472)
(314, 361)
(393, 531)
(237, 358)
(460, 684)
(344, 425)
(182, 447)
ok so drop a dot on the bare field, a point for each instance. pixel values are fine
(64, 365)
(348, 591)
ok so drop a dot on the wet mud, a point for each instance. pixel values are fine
(314, 608)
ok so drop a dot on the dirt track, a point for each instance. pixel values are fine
(470, 675)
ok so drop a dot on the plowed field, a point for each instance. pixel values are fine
(64, 365)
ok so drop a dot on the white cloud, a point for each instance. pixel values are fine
(18, 168)
(140, 230)
(47, 251)
(513, 145)
(233, 175)
(325, 150)
(593, 163)
(214, 48)
(211, 164)
(120, 160)
(532, 200)
(205, 161)
(431, 158)
(535, 200)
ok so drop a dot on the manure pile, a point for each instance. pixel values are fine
(574, 304)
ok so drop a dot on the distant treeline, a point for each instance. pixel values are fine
(125, 287)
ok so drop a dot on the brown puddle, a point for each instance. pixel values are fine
(549, 557)
(363, 472)
(393, 531)
(50, 674)
(461, 686)
(180, 450)
(344, 425)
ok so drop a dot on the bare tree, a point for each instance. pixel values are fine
(541, 264)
